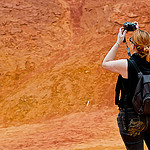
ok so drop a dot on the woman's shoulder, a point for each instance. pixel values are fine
(142, 64)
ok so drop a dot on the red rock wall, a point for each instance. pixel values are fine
(51, 54)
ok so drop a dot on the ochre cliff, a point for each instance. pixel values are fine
(51, 53)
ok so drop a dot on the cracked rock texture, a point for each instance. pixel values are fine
(51, 53)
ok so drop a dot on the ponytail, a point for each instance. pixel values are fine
(146, 51)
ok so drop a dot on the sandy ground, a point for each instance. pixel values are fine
(89, 130)
(92, 130)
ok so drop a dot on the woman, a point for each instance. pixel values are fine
(134, 129)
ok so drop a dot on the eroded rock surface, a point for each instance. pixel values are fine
(51, 54)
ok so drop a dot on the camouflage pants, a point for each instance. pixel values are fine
(138, 130)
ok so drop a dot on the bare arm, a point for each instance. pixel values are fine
(117, 66)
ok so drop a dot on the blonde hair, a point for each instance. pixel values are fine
(141, 40)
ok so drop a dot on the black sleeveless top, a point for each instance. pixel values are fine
(129, 85)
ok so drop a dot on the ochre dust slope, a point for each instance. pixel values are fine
(95, 130)
(51, 54)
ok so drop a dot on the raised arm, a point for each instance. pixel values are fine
(118, 66)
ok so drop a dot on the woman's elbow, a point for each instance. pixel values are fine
(104, 65)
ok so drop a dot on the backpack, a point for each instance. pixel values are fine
(141, 98)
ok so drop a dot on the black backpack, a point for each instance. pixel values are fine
(141, 98)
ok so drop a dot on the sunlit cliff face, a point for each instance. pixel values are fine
(51, 54)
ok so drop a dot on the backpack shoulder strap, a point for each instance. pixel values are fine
(135, 65)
